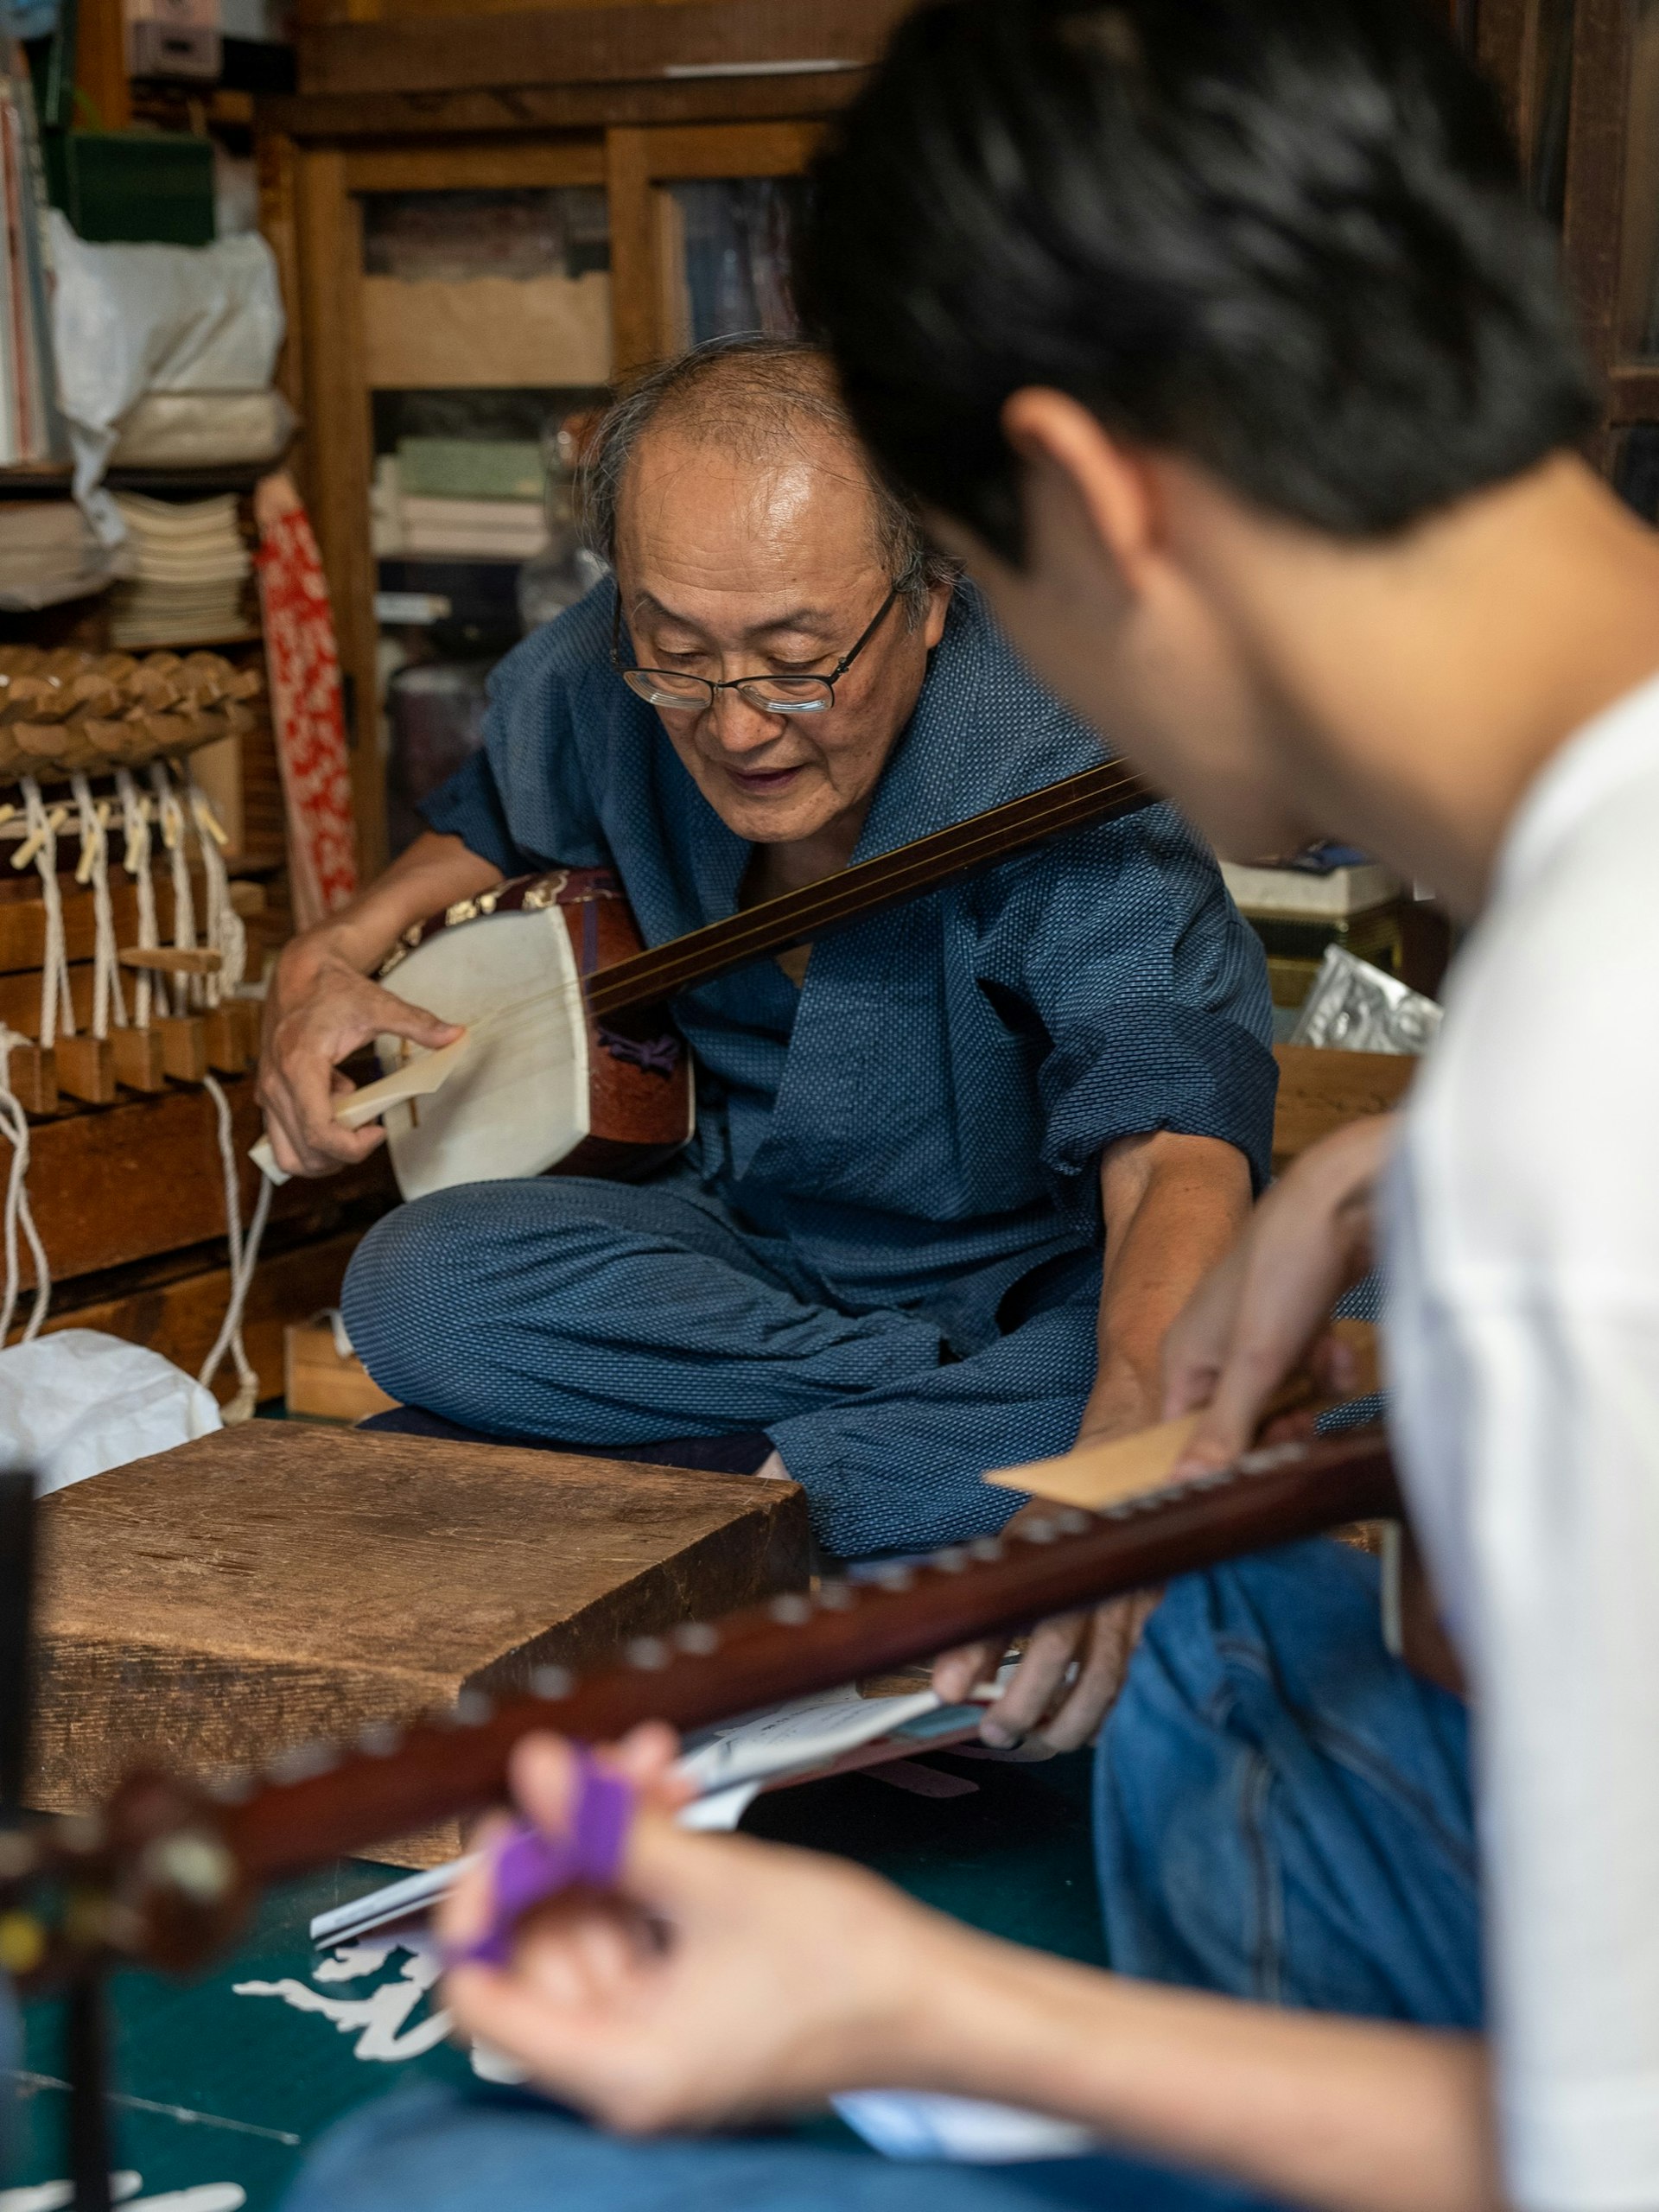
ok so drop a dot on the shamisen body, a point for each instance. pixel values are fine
(1220, 343)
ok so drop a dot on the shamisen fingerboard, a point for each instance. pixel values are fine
(174, 1868)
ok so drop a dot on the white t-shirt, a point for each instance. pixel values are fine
(1522, 1228)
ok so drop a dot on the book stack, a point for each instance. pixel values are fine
(459, 499)
(189, 574)
(31, 428)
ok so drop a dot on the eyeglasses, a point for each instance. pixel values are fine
(772, 694)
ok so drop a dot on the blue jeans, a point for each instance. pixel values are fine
(1282, 1813)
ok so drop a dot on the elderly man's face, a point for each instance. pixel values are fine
(730, 567)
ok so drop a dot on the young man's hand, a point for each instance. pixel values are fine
(1262, 1312)
(722, 1978)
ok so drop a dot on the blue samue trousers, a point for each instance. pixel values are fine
(586, 1312)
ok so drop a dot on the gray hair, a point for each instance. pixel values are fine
(748, 392)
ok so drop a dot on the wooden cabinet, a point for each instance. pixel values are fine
(640, 103)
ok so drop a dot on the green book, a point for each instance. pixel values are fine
(469, 468)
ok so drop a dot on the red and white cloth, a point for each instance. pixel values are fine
(307, 713)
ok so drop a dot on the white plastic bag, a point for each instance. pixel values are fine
(131, 319)
(77, 1401)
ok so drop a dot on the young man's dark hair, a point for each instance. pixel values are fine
(1281, 236)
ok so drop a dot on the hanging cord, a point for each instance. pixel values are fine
(40, 846)
(225, 935)
(170, 815)
(14, 1125)
(134, 822)
(245, 1258)
(95, 868)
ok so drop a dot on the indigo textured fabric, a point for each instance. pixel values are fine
(1283, 1811)
(898, 1146)
(438, 2151)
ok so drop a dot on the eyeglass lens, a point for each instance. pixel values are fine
(776, 695)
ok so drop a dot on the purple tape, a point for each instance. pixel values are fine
(528, 1867)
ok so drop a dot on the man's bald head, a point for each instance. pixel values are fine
(760, 402)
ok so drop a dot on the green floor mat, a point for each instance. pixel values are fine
(223, 2082)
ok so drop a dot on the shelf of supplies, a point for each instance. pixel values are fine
(35, 480)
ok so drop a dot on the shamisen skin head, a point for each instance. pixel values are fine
(1218, 341)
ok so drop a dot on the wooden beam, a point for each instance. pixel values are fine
(600, 45)
(339, 462)
(277, 160)
(138, 1180)
(103, 94)
(635, 292)
(516, 110)
(722, 149)
(489, 165)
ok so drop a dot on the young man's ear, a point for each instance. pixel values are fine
(1088, 497)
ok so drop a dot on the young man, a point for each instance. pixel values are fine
(1218, 341)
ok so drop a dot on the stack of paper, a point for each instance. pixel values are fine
(49, 552)
(448, 524)
(190, 570)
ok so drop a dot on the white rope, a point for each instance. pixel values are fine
(170, 815)
(43, 837)
(14, 1125)
(225, 935)
(95, 868)
(245, 1258)
(134, 821)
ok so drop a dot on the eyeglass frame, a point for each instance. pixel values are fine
(737, 683)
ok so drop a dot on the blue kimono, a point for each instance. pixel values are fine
(883, 1247)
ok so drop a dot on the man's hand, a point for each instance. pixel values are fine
(320, 1006)
(1172, 1205)
(319, 1010)
(1263, 1310)
(722, 1978)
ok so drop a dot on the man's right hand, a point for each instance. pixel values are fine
(319, 1011)
(1262, 1312)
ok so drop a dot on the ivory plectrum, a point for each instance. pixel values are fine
(1102, 1474)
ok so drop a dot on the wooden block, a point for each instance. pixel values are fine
(319, 1385)
(171, 960)
(218, 1604)
(32, 1078)
(226, 1034)
(1319, 1089)
(250, 1013)
(184, 1047)
(138, 1058)
(86, 1068)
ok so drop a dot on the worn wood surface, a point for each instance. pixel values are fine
(131, 1181)
(218, 1604)
(1319, 1089)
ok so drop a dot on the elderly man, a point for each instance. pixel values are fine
(878, 1265)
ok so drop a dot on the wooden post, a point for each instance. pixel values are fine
(635, 290)
(139, 1062)
(339, 461)
(102, 92)
(86, 1068)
